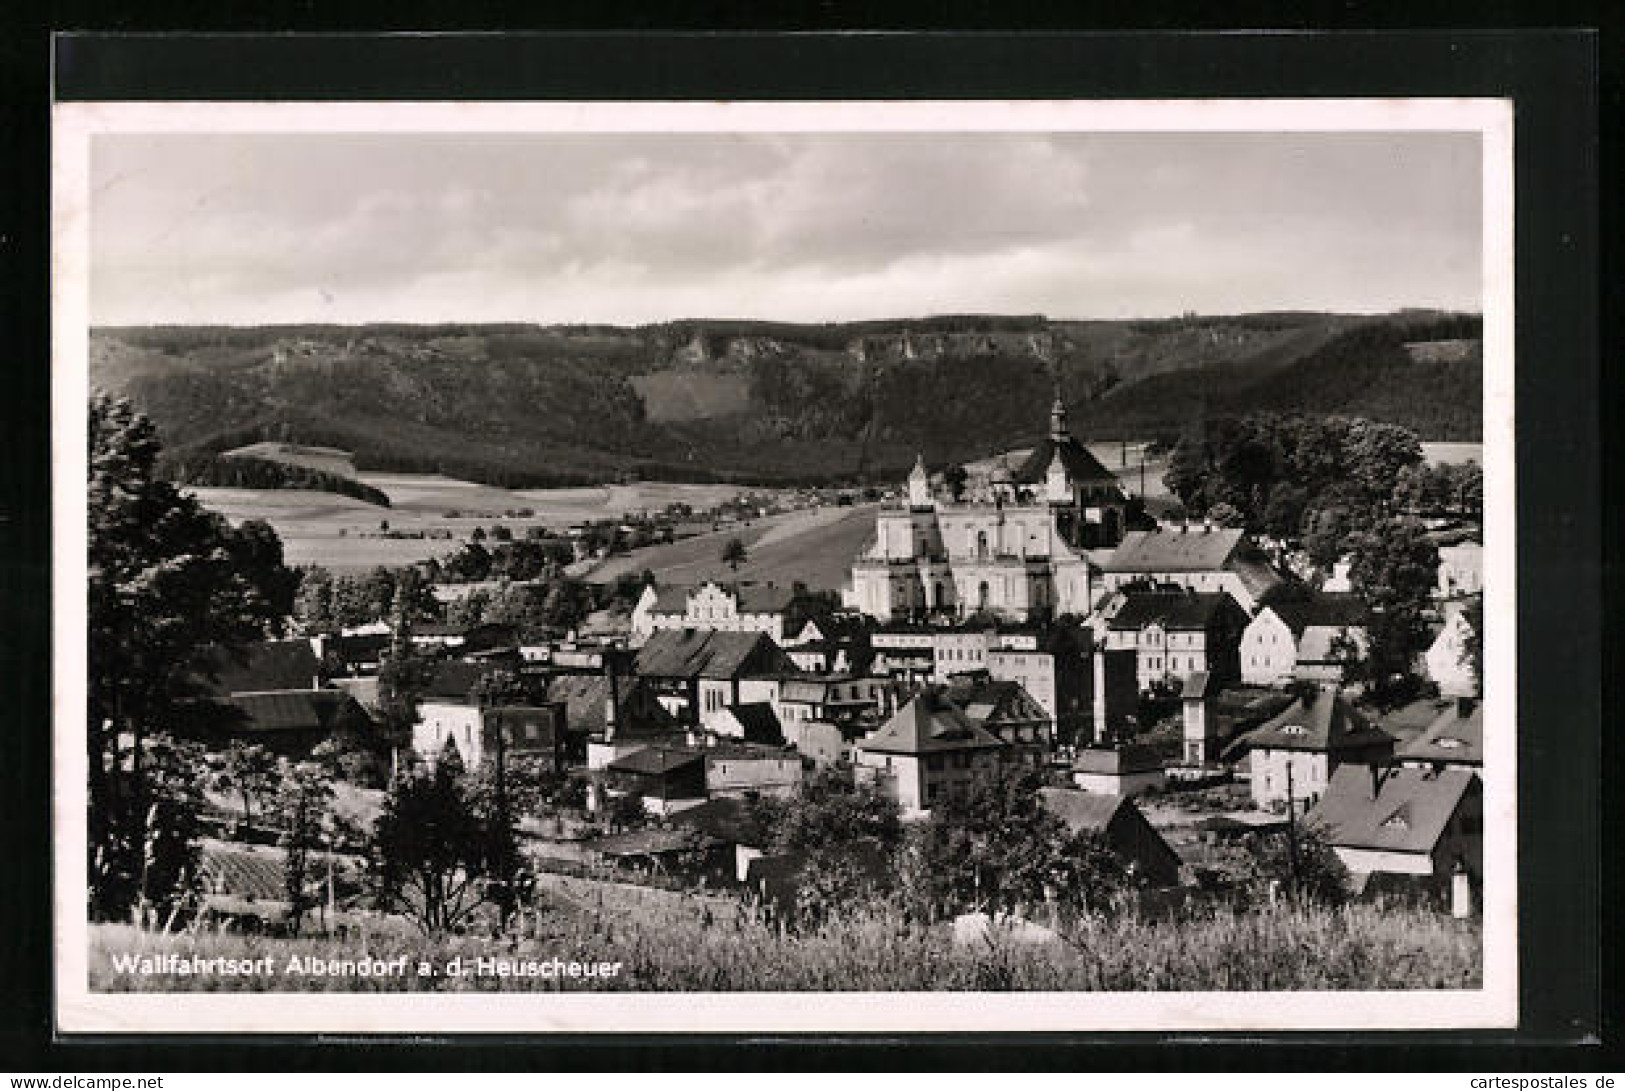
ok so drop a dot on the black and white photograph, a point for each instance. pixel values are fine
(785, 566)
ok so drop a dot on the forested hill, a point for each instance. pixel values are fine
(720, 399)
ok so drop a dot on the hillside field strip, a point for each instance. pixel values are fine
(814, 546)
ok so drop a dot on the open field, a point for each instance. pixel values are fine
(1362, 947)
(341, 533)
(1453, 452)
(815, 546)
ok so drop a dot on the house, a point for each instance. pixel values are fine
(1056, 675)
(1449, 657)
(718, 607)
(928, 749)
(1304, 640)
(695, 671)
(1294, 753)
(1125, 770)
(731, 820)
(266, 666)
(1454, 740)
(1008, 712)
(668, 778)
(613, 717)
(1173, 634)
(1407, 821)
(749, 722)
(289, 722)
(734, 768)
(1461, 570)
(1199, 558)
(478, 732)
(1116, 820)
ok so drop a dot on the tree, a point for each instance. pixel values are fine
(303, 805)
(955, 477)
(428, 849)
(499, 686)
(1226, 515)
(1472, 652)
(1302, 862)
(627, 812)
(250, 771)
(734, 554)
(1394, 571)
(996, 848)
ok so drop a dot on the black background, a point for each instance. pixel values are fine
(1568, 542)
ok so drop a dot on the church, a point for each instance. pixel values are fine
(1014, 547)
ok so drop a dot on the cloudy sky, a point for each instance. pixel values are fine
(634, 228)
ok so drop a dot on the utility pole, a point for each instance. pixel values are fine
(1291, 830)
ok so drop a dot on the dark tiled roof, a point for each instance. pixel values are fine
(1082, 811)
(1191, 550)
(1183, 610)
(1196, 684)
(992, 704)
(296, 710)
(267, 665)
(1407, 812)
(1450, 738)
(586, 702)
(241, 871)
(1327, 609)
(760, 722)
(700, 653)
(1081, 466)
(655, 761)
(1117, 761)
(930, 724)
(727, 819)
(451, 679)
(1326, 721)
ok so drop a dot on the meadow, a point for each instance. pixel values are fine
(342, 534)
(1361, 947)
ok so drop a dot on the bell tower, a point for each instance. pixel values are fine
(919, 484)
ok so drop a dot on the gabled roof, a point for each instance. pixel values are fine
(760, 722)
(1082, 467)
(1407, 811)
(1328, 609)
(930, 724)
(992, 703)
(1181, 610)
(452, 679)
(726, 818)
(586, 704)
(1192, 550)
(671, 600)
(703, 653)
(1451, 737)
(1196, 683)
(1325, 721)
(296, 710)
(264, 666)
(1083, 812)
(253, 872)
(656, 761)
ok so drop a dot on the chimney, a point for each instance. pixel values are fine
(1376, 779)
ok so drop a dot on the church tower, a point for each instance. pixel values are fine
(919, 485)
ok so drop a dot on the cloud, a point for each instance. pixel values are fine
(631, 228)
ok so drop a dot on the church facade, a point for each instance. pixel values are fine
(1014, 547)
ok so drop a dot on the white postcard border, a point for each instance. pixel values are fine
(78, 1010)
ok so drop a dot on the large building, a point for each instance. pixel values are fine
(1014, 549)
(724, 608)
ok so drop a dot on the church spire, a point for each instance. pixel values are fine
(1057, 415)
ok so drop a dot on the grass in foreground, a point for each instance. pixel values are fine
(1358, 948)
